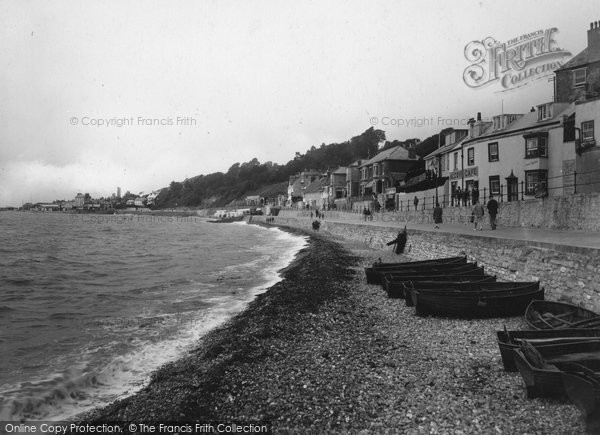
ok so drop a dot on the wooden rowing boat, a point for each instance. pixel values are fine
(404, 287)
(375, 276)
(541, 367)
(444, 291)
(475, 303)
(409, 264)
(390, 278)
(509, 341)
(583, 390)
(560, 315)
(395, 287)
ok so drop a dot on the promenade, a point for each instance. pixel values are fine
(538, 236)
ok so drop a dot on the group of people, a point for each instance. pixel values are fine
(477, 214)
(463, 196)
(318, 214)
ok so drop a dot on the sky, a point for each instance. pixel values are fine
(139, 93)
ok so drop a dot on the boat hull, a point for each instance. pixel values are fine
(476, 304)
(509, 341)
(395, 288)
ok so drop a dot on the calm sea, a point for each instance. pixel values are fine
(90, 305)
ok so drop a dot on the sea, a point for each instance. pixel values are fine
(91, 305)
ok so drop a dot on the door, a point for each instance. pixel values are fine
(512, 189)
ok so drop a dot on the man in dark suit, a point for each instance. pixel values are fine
(492, 207)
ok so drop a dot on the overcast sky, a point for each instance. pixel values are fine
(250, 79)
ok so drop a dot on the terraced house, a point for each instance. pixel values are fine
(578, 82)
(381, 175)
(550, 150)
(518, 155)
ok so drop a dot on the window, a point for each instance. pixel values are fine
(532, 178)
(495, 185)
(375, 170)
(470, 156)
(579, 77)
(587, 131)
(544, 111)
(493, 152)
(456, 161)
(536, 146)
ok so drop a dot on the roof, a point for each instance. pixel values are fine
(529, 121)
(341, 170)
(445, 149)
(315, 186)
(580, 60)
(396, 153)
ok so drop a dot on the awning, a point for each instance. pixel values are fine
(369, 185)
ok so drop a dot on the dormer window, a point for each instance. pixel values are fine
(579, 77)
(497, 122)
(544, 111)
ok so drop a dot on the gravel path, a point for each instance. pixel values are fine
(322, 351)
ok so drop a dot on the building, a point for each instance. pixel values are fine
(386, 170)
(440, 164)
(255, 200)
(586, 170)
(579, 79)
(353, 179)
(298, 183)
(336, 189)
(516, 155)
(79, 200)
(46, 207)
(312, 196)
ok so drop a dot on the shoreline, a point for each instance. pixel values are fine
(237, 340)
(322, 350)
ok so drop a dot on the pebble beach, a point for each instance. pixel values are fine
(323, 351)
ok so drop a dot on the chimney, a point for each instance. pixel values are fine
(594, 42)
(478, 116)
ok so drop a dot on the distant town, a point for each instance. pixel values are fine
(83, 202)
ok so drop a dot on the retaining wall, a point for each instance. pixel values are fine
(575, 212)
(569, 274)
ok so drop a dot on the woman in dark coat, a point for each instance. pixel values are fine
(437, 214)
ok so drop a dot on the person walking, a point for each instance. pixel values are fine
(416, 202)
(492, 207)
(437, 214)
(478, 212)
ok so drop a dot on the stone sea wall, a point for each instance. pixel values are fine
(569, 274)
(574, 212)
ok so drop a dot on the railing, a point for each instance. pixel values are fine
(570, 185)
